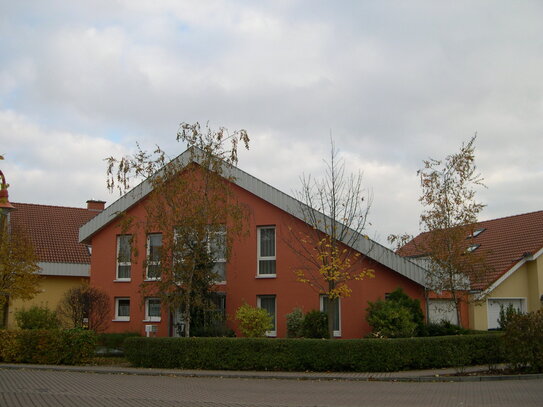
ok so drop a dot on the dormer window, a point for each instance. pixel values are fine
(472, 248)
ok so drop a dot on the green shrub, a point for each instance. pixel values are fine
(524, 341)
(315, 325)
(506, 315)
(444, 328)
(359, 355)
(37, 318)
(413, 305)
(70, 346)
(295, 322)
(253, 322)
(390, 319)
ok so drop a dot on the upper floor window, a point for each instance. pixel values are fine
(267, 302)
(325, 303)
(124, 253)
(210, 245)
(217, 249)
(154, 253)
(266, 251)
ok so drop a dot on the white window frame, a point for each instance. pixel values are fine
(121, 318)
(209, 237)
(259, 257)
(123, 263)
(272, 333)
(152, 263)
(152, 318)
(336, 333)
(221, 260)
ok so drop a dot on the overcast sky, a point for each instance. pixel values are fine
(395, 82)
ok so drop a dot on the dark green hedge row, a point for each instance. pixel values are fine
(114, 340)
(54, 347)
(362, 355)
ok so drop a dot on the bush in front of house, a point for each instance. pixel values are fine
(37, 318)
(524, 341)
(253, 322)
(398, 316)
(359, 355)
(506, 315)
(444, 328)
(54, 347)
(390, 319)
(295, 321)
(315, 325)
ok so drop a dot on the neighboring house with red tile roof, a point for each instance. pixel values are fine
(64, 262)
(513, 248)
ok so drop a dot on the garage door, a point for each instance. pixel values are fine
(442, 310)
(494, 306)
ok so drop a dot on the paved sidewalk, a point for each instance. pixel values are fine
(430, 375)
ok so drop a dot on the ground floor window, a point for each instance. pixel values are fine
(152, 309)
(267, 302)
(122, 309)
(324, 304)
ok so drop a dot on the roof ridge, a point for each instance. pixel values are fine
(51, 206)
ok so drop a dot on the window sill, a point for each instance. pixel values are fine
(266, 275)
(220, 282)
(122, 280)
(151, 279)
(337, 334)
(121, 320)
(271, 334)
(152, 320)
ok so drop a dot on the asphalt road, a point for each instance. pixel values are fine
(56, 388)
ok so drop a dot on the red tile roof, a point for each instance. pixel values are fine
(504, 240)
(54, 231)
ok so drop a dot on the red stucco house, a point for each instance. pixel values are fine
(276, 289)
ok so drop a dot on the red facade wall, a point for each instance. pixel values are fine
(243, 284)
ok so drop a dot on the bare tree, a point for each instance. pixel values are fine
(336, 209)
(85, 307)
(448, 219)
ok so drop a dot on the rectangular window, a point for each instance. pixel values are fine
(154, 253)
(267, 302)
(122, 309)
(217, 248)
(266, 251)
(337, 314)
(214, 242)
(152, 309)
(124, 253)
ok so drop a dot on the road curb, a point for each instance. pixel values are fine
(365, 377)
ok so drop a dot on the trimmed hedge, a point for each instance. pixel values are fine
(114, 340)
(52, 347)
(359, 355)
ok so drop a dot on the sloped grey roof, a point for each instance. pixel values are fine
(270, 194)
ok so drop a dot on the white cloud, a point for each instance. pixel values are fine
(53, 167)
(395, 82)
